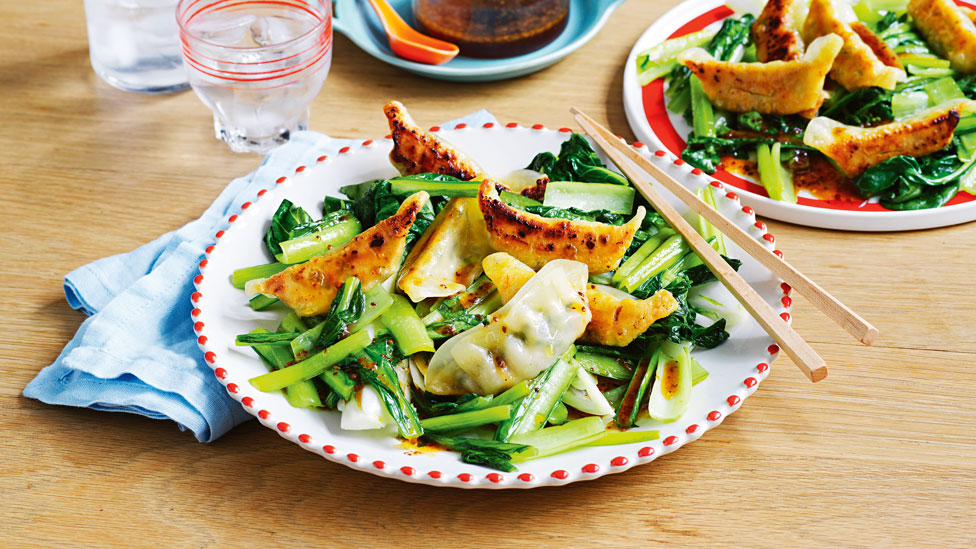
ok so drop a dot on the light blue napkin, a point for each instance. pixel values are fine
(137, 351)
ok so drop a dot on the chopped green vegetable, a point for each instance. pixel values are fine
(299, 395)
(553, 440)
(777, 181)
(658, 60)
(406, 327)
(702, 113)
(533, 411)
(602, 365)
(590, 196)
(242, 276)
(490, 453)
(315, 365)
(613, 438)
(630, 404)
(577, 161)
(668, 253)
(434, 185)
(319, 242)
(265, 338)
(464, 421)
(261, 302)
(387, 384)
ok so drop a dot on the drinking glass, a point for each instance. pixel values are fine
(256, 64)
(134, 44)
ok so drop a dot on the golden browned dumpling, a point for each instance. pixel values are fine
(417, 151)
(372, 256)
(536, 240)
(856, 149)
(618, 320)
(856, 65)
(948, 30)
(777, 87)
(775, 33)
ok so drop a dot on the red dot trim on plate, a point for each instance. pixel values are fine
(435, 128)
(329, 449)
(281, 180)
(488, 125)
(714, 415)
(646, 451)
(465, 477)
(220, 373)
(388, 136)
(368, 142)
(769, 238)
(537, 126)
(772, 349)
(263, 414)
(560, 474)
(526, 477)
(785, 316)
(591, 468)
(696, 171)
(748, 210)
(195, 297)
(511, 125)
(203, 264)
(460, 126)
(670, 440)
(210, 357)
(352, 457)
(198, 279)
(678, 162)
(638, 145)
(407, 470)
(209, 249)
(304, 439)
(619, 461)
(232, 218)
(786, 288)
(786, 301)
(262, 192)
(344, 150)
(434, 474)
(495, 477)
(283, 427)
(750, 382)
(202, 340)
(322, 158)
(247, 401)
(300, 169)
(659, 153)
(733, 400)
(778, 254)
(691, 429)
(245, 205)
(760, 225)
(219, 234)
(731, 196)
(379, 464)
(565, 130)
(197, 326)
(762, 367)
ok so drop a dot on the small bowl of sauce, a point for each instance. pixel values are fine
(493, 28)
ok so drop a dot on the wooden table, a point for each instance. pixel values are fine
(881, 453)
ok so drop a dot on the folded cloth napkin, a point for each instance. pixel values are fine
(137, 351)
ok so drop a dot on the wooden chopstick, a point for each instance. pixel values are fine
(809, 362)
(820, 298)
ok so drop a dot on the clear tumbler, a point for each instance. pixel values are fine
(134, 45)
(256, 64)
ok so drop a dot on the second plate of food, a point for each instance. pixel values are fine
(811, 165)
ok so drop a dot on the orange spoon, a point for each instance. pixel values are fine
(408, 43)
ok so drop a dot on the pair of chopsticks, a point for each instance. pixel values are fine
(809, 362)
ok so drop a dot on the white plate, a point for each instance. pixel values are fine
(221, 312)
(654, 125)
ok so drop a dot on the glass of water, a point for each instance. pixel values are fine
(134, 45)
(257, 64)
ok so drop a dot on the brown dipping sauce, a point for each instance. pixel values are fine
(811, 173)
(493, 28)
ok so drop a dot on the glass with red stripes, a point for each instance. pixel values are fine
(256, 64)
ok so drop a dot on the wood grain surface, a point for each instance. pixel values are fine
(881, 453)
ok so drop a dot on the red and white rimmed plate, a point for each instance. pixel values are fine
(653, 124)
(220, 312)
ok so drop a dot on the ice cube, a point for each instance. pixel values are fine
(226, 29)
(271, 30)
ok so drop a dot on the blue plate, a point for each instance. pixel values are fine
(356, 20)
